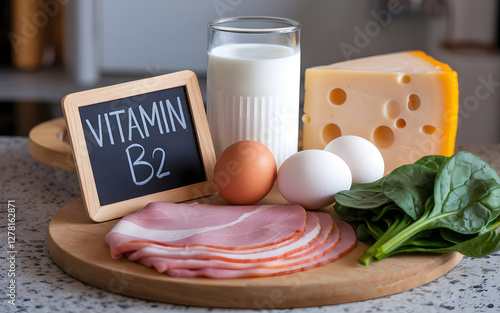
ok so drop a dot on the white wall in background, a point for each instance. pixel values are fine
(479, 86)
(152, 36)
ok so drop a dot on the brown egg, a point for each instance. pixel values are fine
(245, 172)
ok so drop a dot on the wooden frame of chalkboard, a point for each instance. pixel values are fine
(140, 142)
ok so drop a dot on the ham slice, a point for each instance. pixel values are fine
(313, 231)
(328, 239)
(219, 226)
(346, 244)
(222, 241)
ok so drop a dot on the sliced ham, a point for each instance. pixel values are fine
(306, 240)
(346, 244)
(219, 226)
(327, 240)
(222, 241)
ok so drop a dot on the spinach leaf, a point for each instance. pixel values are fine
(352, 214)
(475, 246)
(437, 204)
(382, 211)
(375, 186)
(433, 162)
(363, 196)
(409, 186)
(478, 246)
(428, 241)
(364, 234)
(467, 194)
(361, 199)
(453, 237)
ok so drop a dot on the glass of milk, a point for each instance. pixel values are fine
(253, 83)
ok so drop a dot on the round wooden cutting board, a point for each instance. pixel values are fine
(49, 144)
(76, 244)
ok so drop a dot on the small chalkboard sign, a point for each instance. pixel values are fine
(139, 142)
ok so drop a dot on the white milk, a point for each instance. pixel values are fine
(253, 93)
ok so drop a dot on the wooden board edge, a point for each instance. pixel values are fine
(46, 144)
(80, 152)
(304, 289)
(390, 287)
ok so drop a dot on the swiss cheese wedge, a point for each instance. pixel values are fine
(406, 103)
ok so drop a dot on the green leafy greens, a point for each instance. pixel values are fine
(437, 204)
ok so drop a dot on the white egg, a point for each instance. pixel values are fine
(362, 157)
(311, 178)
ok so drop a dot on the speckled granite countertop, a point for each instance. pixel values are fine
(38, 191)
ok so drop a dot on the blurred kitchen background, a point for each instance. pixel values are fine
(49, 48)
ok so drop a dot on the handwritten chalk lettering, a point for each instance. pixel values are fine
(139, 122)
(140, 162)
(160, 173)
(138, 141)
(139, 148)
(151, 120)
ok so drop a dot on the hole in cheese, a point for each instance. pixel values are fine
(401, 123)
(428, 129)
(404, 79)
(306, 118)
(330, 132)
(392, 109)
(413, 102)
(337, 96)
(383, 137)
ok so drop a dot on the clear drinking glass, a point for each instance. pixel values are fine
(253, 82)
